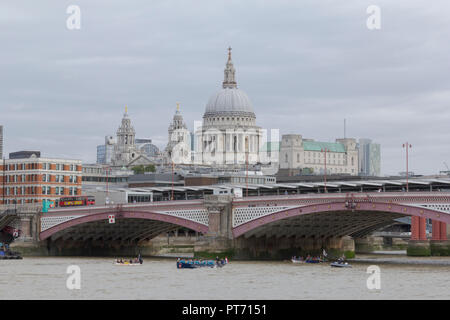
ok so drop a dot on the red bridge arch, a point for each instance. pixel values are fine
(146, 215)
(368, 207)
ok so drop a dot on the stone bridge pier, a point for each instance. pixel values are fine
(219, 238)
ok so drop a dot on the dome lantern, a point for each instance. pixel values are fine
(229, 101)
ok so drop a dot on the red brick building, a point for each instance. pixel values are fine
(32, 179)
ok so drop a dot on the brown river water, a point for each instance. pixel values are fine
(159, 279)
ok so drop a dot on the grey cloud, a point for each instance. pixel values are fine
(306, 65)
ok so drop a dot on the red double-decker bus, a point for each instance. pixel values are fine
(76, 201)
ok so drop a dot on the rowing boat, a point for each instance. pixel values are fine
(297, 261)
(127, 264)
(341, 265)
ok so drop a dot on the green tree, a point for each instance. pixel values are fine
(150, 168)
(138, 169)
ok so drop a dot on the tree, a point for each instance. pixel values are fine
(138, 169)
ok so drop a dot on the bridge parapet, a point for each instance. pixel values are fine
(397, 197)
(31, 208)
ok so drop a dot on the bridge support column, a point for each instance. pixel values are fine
(443, 233)
(422, 229)
(418, 228)
(439, 245)
(418, 248)
(27, 226)
(368, 244)
(418, 245)
(414, 228)
(218, 240)
(436, 230)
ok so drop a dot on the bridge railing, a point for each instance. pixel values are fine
(21, 208)
(359, 196)
(126, 205)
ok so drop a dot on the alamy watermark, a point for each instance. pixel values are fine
(374, 20)
(73, 22)
(74, 279)
(374, 280)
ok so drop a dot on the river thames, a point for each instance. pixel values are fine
(158, 278)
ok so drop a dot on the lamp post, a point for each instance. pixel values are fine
(407, 146)
(325, 150)
(108, 169)
(172, 180)
(246, 165)
(3, 180)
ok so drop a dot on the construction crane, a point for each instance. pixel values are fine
(448, 169)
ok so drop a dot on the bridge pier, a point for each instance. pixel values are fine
(419, 245)
(439, 244)
(368, 244)
(218, 239)
(418, 248)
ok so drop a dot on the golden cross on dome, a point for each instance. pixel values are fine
(178, 106)
(126, 109)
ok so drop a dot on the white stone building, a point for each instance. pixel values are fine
(178, 149)
(229, 135)
(299, 153)
(126, 153)
(1, 142)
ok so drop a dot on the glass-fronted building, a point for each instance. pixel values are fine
(369, 158)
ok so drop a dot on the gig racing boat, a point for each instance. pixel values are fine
(192, 264)
(7, 254)
(136, 262)
(127, 263)
(12, 256)
(313, 261)
(307, 260)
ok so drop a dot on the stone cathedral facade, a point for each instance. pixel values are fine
(229, 135)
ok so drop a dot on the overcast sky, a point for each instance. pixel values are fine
(306, 65)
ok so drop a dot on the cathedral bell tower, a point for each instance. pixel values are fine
(125, 149)
(178, 148)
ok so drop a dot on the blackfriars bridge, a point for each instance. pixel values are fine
(249, 226)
